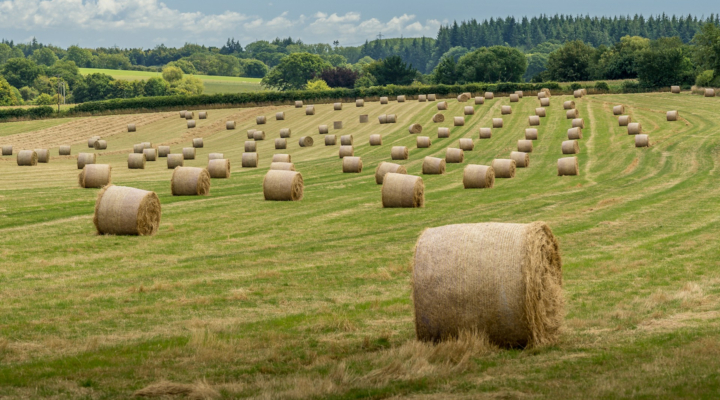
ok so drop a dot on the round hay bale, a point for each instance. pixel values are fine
(250, 160)
(642, 140)
(259, 135)
(202, 115)
(540, 112)
(251, 134)
(497, 123)
(27, 158)
(260, 120)
(531, 134)
(546, 91)
(466, 144)
(468, 95)
(282, 185)
(462, 98)
(280, 116)
(382, 119)
(504, 280)
(91, 144)
(522, 160)
(570, 147)
(443, 133)
(578, 94)
(150, 154)
(399, 153)
(385, 168)
(121, 210)
(431, 97)
(578, 123)
(469, 110)
(479, 100)
(401, 99)
(64, 150)
(198, 142)
(619, 110)
(376, 139)
(282, 158)
(478, 177)
(43, 155)
(100, 144)
(459, 121)
(514, 98)
(352, 165)
(485, 133)
(571, 114)
(534, 120)
(337, 106)
(422, 98)
(298, 103)
(330, 140)
(85, 159)
(131, 128)
(189, 114)
(230, 125)
(400, 190)
(569, 105)
(489, 95)
(415, 128)
(310, 110)
(383, 100)
(359, 103)
(574, 133)
(188, 153)
(423, 142)
(675, 89)
(364, 119)
(94, 176)
(136, 161)
(545, 102)
(219, 168)
(391, 118)
(323, 129)
(505, 110)
(282, 166)
(250, 146)
(519, 93)
(542, 95)
(175, 160)
(346, 140)
(146, 145)
(709, 92)
(182, 114)
(433, 166)
(280, 143)
(526, 146)
(454, 156)
(305, 141)
(346, 151)
(191, 124)
(624, 120)
(337, 124)
(442, 106)
(216, 156)
(568, 166)
(672, 115)
(190, 181)
(634, 128)
(285, 133)
(438, 118)
(503, 167)
(138, 148)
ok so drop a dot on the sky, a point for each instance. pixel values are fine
(147, 23)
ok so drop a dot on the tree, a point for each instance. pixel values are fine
(254, 68)
(94, 87)
(392, 71)
(185, 65)
(67, 71)
(707, 47)
(172, 74)
(188, 85)
(44, 56)
(81, 57)
(7, 94)
(339, 77)
(571, 62)
(294, 71)
(20, 72)
(336, 60)
(619, 62)
(44, 100)
(493, 64)
(664, 63)
(537, 63)
(446, 72)
(156, 86)
(7, 52)
(317, 84)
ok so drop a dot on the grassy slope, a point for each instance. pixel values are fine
(312, 299)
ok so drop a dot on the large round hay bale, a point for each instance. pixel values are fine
(526, 146)
(189, 114)
(64, 150)
(569, 105)
(531, 134)
(415, 128)
(497, 122)
(672, 115)
(503, 167)
(285, 133)
(346, 151)
(423, 142)
(359, 103)
(346, 140)
(431, 97)
(634, 128)
(150, 154)
(250, 146)
(578, 94)
(310, 110)
(190, 181)
(479, 100)
(709, 92)
(191, 124)
(534, 120)
(401, 99)
(85, 159)
(578, 123)
(376, 139)
(442, 106)
(485, 133)
(571, 114)
(542, 95)
(305, 141)
(422, 98)
(519, 93)
(337, 106)
(188, 153)
(675, 89)
(136, 161)
(121, 210)
(250, 160)
(251, 134)
(43, 155)
(478, 177)
(131, 128)
(323, 129)
(27, 158)
(364, 119)
(352, 165)
(282, 166)
(438, 118)
(100, 144)
(280, 143)
(399, 153)
(462, 98)
(382, 118)
(458, 121)
(280, 116)
(400, 190)
(574, 133)
(202, 115)
(260, 120)
(514, 98)
(137, 148)
(540, 112)
(443, 133)
(298, 103)
(391, 118)
(230, 125)
(522, 159)
(282, 185)
(545, 102)
(147, 145)
(568, 166)
(489, 95)
(624, 120)
(454, 156)
(469, 110)
(91, 144)
(330, 140)
(505, 110)
(282, 158)
(383, 100)
(175, 160)
(198, 142)
(95, 176)
(502, 280)
(433, 166)
(570, 147)
(642, 140)
(182, 114)
(216, 156)
(219, 168)
(466, 144)
(385, 168)
(619, 110)
(259, 135)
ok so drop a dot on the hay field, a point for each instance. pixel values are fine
(239, 297)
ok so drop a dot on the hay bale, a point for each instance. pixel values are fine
(642, 140)
(382, 118)
(323, 129)
(505, 110)
(466, 144)
(545, 102)
(280, 116)
(672, 115)
(352, 165)
(251, 134)
(385, 168)
(260, 120)
(337, 124)
(330, 140)
(709, 92)
(540, 112)
(458, 121)
(578, 94)
(568, 166)
(478, 177)
(285, 133)
(359, 103)
(282, 158)
(131, 128)
(219, 168)
(191, 124)
(346, 140)
(624, 120)
(150, 154)
(578, 123)
(259, 135)
(305, 141)
(489, 95)
(281, 185)
(189, 114)
(569, 105)
(454, 156)
(522, 159)
(364, 119)
(136, 161)
(399, 153)
(337, 106)
(282, 166)
(310, 110)
(190, 181)
(546, 91)
(443, 133)
(534, 120)
(619, 110)
(468, 95)
(298, 103)
(519, 93)
(94, 176)
(202, 115)
(376, 139)
(423, 142)
(146, 145)
(391, 118)
(198, 142)
(497, 122)
(526, 146)
(100, 144)
(85, 159)
(541, 95)
(503, 280)
(422, 98)
(462, 98)
(27, 158)
(91, 144)
(250, 160)
(442, 106)
(675, 89)
(400, 190)
(137, 148)
(175, 160)
(230, 125)
(383, 100)
(574, 133)
(485, 133)
(479, 100)
(216, 156)
(121, 210)
(531, 134)
(188, 153)
(514, 98)
(401, 99)
(182, 114)
(250, 146)
(64, 150)
(570, 147)
(433, 166)
(503, 167)
(431, 97)
(346, 151)
(415, 128)
(469, 110)
(634, 128)
(280, 143)
(571, 114)
(43, 155)
(438, 118)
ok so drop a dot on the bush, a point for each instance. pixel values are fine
(705, 78)
(630, 86)
(29, 113)
(575, 86)
(602, 86)
(317, 84)
(44, 100)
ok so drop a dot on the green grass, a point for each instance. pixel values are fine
(311, 299)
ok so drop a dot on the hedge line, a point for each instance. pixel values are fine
(26, 113)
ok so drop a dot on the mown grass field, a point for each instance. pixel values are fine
(240, 297)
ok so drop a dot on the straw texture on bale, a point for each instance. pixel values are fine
(522, 159)
(578, 123)
(571, 114)
(619, 110)
(709, 92)
(310, 110)
(150, 154)
(359, 103)
(251, 134)
(423, 142)
(584, 91)
(497, 122)
(337, 106)
(282, 166)
(305, 141)
(415, 128)
(459, 121)
(540, 112)
(503, 167)
(95, 176)
(298, 103)
(442, 106)
(281, 185)
(250, 146)
(43, 155)
(503, 280)
(400, 190)
(443, 133)
(376, 139)
(84, 159)
(146, 145)
(382, 119)
(546, 91)
(280, 116)
(100, 144)
(337, 124)
(282, 158)
(672, 115)
(280, 143)
(514, 98)
(401, 99)
(230, 125)
(259, 135)
(260, 120)
(330, 140)
(534, 120)
(642, 140)
(138, 148)
(568, 166)
(462, 98)
(136, 161)
(570, 147)
(519, 93)
(634, 128)
(545, 102)
(352, 165)
(346, 151)
(346, 140)
(479, 100)
(624, 120)
(469, 110)
(489, 95)
(478, 177)
(574, 133)
(505, 110)
(190, 181)
(182, 114)
(526, 146)
(468, 95)
(121, 210)
(438, 118)
(399, 153)
(131, 128)
(64, 150)
(422, 98)
(189, 114)
(466, 144)
(175, 160)
(202, 115)
(541, 95)
(485, 133)
(250, 160)
(391, 118)
(364, 119)
(578, 93)
(198, 142)
(675, 89)
(454, 156)
(383, 100)
(191, 123)
(431, 97)
(216, 156)
(531, 134)
(27, 158)
(285, 133)
(219, 168)
(433, 166)
(385, 168)
(569, 105)
(188, 153)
